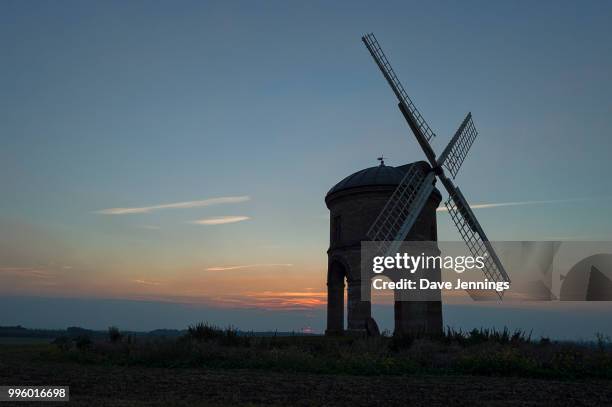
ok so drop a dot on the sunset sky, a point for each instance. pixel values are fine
(180, 152)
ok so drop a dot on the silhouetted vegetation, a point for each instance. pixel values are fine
(229, 336)
(204, 331)
(114, 335)
(477, 352)
(83, 342)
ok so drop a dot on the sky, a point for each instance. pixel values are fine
(180, 152)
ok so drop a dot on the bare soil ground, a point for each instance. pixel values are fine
(136, 386)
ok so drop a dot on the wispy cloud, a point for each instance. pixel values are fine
(520, 203)
(578, 237)
(175, 205)
(248, 266)
(149, 227)
(26, 272)
(220, 220)
(146, 282)
(273, 300)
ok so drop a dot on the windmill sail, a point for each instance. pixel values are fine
(473, 235)
(381, 60)
(454, 154)
(405, 205)
(402, 209)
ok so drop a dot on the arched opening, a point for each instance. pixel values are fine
(336, 275)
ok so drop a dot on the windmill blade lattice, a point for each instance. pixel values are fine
(381, 60)
(474, 237)
(454, 154)
(402, 209)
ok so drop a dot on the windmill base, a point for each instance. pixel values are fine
(418, 318)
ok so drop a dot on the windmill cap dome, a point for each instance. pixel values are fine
(381, 175)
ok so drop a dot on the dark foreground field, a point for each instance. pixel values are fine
(108, 385)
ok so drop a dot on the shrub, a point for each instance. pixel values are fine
(204, 331)
(82, 342)
(603, 341)
(232, 338)
(114, 335)
(545, 341)
(485, 335)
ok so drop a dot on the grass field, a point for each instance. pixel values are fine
(92, 385)
(478, 352)
(216, 367)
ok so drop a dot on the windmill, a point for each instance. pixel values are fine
(406, 203)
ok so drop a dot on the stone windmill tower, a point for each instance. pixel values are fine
(354, 204)
(390, 205)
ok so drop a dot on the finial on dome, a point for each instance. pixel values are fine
(382, 160)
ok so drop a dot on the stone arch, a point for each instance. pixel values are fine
(345, 267)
